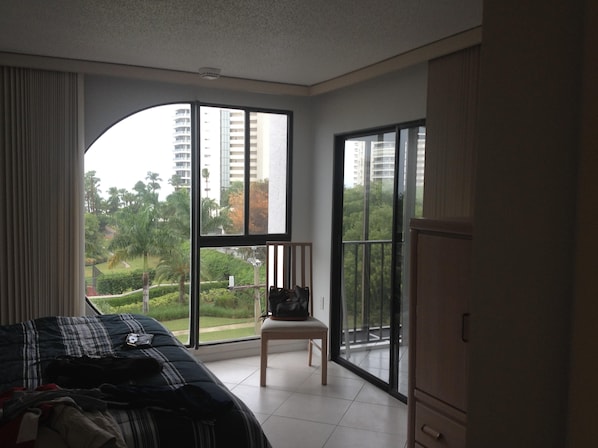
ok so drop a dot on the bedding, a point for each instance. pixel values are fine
(55, 371)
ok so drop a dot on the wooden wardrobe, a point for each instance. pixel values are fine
(439, 299)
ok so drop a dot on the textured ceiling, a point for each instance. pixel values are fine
(302, 42)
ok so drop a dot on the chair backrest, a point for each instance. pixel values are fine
(289, 264)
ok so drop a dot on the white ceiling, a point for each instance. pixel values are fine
(302, 42)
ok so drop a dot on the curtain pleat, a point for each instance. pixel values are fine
(41, 225)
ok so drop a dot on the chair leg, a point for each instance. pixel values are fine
(263, 360)
(324, 366)
(310, 351)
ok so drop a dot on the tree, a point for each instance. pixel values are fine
(173, 240)
(153, 185)
(95, 219)
(92, 192)
(353, 213)
(236, 187)
(213, 219)
(205, 173)
(127, 198)
(258, 209)
(375, 204)
(175, 264)
(113, 202)
(176, 181)
(176, 211)
(136, 236)
(94, 238)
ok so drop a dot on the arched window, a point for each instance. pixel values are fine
(169, 180)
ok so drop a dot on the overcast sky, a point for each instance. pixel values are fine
(124, 154)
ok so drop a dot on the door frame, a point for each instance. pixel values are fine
(336, 326)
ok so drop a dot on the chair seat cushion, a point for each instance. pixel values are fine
(281, 326)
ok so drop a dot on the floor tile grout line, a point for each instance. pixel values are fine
(309, 390)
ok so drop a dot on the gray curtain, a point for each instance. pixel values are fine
(41, 175)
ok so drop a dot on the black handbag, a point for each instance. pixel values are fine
(288, 304)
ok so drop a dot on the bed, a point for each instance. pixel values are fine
(98, 368)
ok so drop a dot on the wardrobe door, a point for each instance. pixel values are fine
(439, 331)
(443, 279)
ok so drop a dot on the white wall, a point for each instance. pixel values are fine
(394, 98)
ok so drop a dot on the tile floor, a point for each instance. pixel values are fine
(295, 410)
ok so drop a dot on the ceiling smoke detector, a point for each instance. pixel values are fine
(209, 73)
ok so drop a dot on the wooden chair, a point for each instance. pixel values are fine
(289, 264)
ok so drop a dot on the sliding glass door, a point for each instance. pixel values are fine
(378, 181)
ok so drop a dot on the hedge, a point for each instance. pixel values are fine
(117, 283)
(216, 301)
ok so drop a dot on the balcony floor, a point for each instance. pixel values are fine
(375, 359)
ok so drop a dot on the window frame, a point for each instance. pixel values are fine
(203, 241)
(246, 239)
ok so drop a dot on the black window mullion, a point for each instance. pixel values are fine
(195, 227)
(247, 172)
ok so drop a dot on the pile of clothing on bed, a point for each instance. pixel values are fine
(71, 410)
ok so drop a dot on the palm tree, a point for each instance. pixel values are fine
(173, 240)
(113, 202)
(92, 192)
(205, 173)
(153, 185)
(212, 219)
(175, 264)
(177, 211)
(127, 197)
(176, 181)
(136, 236)
(94, 238)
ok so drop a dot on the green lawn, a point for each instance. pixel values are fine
(227, 334)
(133, 264)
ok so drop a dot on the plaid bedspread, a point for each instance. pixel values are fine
(26, 350)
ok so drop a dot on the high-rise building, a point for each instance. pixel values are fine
(222, 137)
(380, 158)
(382, 162)
(182, 145)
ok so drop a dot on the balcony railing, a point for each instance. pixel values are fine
(367, 292)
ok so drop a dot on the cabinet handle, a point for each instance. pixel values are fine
(431, 432)
(465, 327)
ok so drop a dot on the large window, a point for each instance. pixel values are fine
(180, 201)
